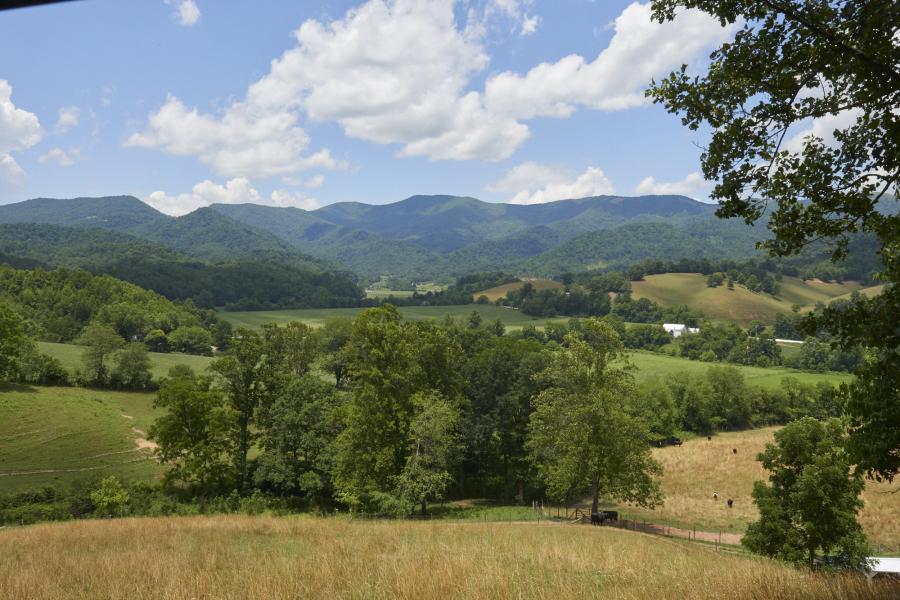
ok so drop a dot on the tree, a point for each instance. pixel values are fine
(110, 498)
(296, 429)
(334, 335)
(190, 340)
(810, 505)
(584, 434)
(193, 435)
(834, 63)
(11, 341)
(132, 370)
(101, 341)
(434, 446)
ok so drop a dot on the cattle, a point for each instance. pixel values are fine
(734, 450)
(600, 517)
(709, 438)
(597, 518)
(715, 495)
(730, 502)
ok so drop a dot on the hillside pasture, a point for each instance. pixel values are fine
(315, 317)
(738, 305)
(51, 436)
(692, 472)
(495, 293)
(279, 558)
(651, 364)
(70, 355)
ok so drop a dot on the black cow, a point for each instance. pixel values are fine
(730, 502)
(597, 518)
(600, 517)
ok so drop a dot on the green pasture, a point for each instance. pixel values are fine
(651, 364)
(160, 363)
(512, 319)
(51, 436)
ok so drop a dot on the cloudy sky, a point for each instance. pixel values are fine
(187, 102)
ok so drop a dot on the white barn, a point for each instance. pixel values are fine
(678, 329)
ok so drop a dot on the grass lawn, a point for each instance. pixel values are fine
(160, 363)
(650, 364)
(54, 435)
(512, 319)
(692, 472)
(267, 557)
(738, 305)
(500, 291)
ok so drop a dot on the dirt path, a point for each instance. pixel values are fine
(141, 442)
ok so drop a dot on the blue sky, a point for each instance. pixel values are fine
(179, 102)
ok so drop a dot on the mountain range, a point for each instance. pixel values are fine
(420, 238)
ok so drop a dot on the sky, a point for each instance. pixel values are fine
(183, 103)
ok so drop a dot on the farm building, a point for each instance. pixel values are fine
(678, 329)
(884, 567)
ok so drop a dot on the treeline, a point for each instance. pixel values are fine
(58, 305)
(265, 281)
(461, 292)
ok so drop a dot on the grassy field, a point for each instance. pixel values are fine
(70, 357)
(692, 472)
(500, 291)
(650, 364)
(738, 305)
(278, 558)
(512, 319)
(52, 436)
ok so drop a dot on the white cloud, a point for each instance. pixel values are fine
(400, 72)
(244, 142)
(68, 118)
(316, 181)
(535, 183)
(639, 50)
(694, 182)
(824, 128)
(59, 156)
(186, 12)
(235, 191)
(19, 130)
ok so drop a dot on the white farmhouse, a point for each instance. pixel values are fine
(678, 329)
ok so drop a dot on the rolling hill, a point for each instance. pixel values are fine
(738, 305)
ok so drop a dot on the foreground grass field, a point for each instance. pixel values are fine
(53, 436)
(692, 472)
(160, 363)
(738, 305)
(275, 558)
(512, 319)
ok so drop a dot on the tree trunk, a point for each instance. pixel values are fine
(595, 492)
(424, 508)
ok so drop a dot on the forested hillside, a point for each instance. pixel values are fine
(247, 283)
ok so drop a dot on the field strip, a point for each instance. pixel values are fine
(74, 470)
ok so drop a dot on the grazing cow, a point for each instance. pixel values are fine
(709, 438)
(734, 450)
(597, 518)
(610, 515)
(730, 502)
(715, 495)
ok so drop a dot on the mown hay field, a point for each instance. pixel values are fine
(500, 291)
(694, 471)
(273, 558)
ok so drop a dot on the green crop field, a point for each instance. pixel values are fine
(738, 305)
(53, 435)
(650, 364)
(500, 291)
(512, 319)
(70, 357)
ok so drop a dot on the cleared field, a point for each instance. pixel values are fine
(160, 363)
(512, 319)
(495, 293)
(275, 558)
(52, 436)
(738, 305)
(388, 293)
(870, 292)
(650, 364)
(692, 472)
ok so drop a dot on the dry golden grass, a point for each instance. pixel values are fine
(695, 470)
(273, 558)
(495, 293)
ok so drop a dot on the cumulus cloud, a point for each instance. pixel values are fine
(823, 128)
(19, 130)
(535, 183)
(68, 118)
(400, 72)
(186, 12)
(235, 191)
(59, 156)
(316, 181)
(640, 49)
(691, 184)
